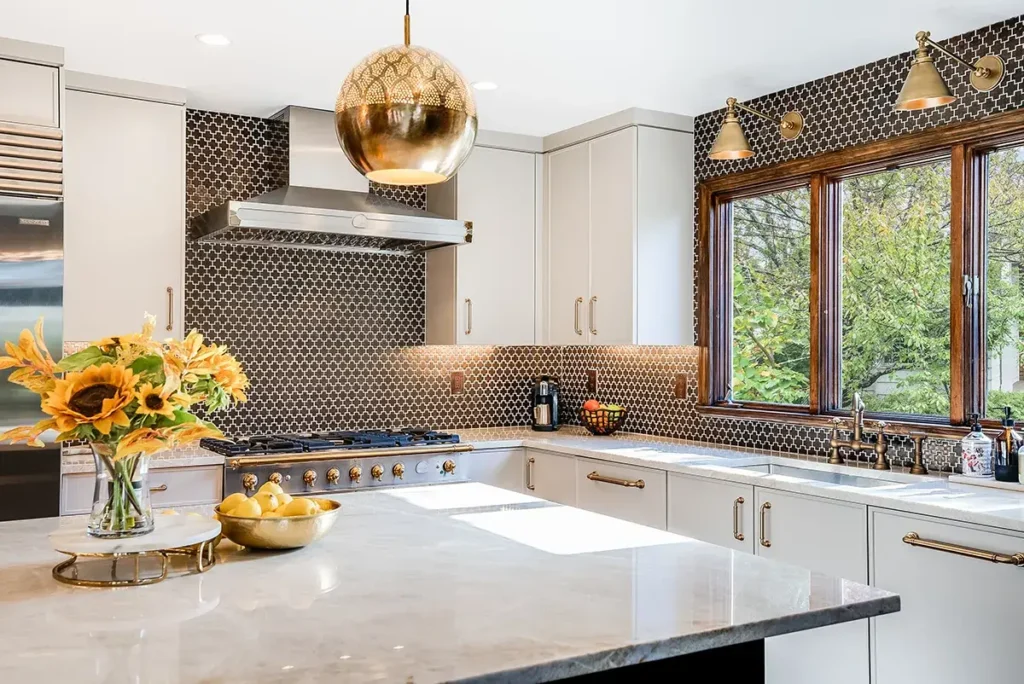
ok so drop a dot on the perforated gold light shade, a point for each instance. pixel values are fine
(731, 143)
(924, 86)
(406, 116)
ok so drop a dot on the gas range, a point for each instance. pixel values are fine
(338, 461)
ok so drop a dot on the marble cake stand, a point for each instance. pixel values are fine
(147, 556)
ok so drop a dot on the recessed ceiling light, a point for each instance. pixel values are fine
(213, 39)
(485, 85)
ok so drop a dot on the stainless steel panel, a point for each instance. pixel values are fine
(31, 286)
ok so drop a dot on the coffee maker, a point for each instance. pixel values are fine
(544, 404)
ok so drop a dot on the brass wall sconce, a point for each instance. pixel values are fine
(731, 143)
(925, 87)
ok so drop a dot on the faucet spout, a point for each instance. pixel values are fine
(857, 413)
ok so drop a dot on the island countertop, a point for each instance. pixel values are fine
(460, 582)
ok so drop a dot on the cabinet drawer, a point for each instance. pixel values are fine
(31, 93)
(551, 476)
(168, 487)
(712, 511)
(606, 488)
(959, 618)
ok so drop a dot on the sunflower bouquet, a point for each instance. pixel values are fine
(128, 397)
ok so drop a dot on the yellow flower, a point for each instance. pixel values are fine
(95, 396)
(227, 372)
(154, 402)
(36, 369)
(133, 345)
(29, 434)
(187, 433)
(142, 441)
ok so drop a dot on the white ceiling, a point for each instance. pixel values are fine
(558, 62)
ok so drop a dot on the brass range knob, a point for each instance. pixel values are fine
(275, 478)
(333, 475)
(309, 477)
(377, 471)
(448, 466)
(249, 481)
(354, 473)
(398, 470)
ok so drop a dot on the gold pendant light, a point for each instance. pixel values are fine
(925, 87)
(406, 116)
(731, 143)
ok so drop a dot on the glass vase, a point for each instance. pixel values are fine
(120, 499)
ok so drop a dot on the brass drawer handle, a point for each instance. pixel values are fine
(576, 317)
(1016, 559)
(593, 315)
(469, 316)
(765, 507)
(159, 488)
(597, 477)
(170, 309)
(529, 474)
(736, 518)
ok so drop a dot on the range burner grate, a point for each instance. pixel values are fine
(341, 440)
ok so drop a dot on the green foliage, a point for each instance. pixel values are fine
(90, 356)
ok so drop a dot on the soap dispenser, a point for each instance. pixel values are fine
(976, 452)
(1006, 451)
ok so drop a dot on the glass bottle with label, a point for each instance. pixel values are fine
(1006, 448)
(976, 452)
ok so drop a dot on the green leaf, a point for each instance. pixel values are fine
(90, 356)
(148, 365)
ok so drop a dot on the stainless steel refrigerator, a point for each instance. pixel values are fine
(31, 287)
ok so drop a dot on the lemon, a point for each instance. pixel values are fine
(300, 507)
(272, 487)
(272, 514)
(250, 508)
(229, 503)
(324, 504)
(284, 499)
(267, 501)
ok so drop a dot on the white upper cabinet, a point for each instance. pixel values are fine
(484, 292)
(620, 239)
(30, 94)
(124, 215)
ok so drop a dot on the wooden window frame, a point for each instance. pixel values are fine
(966, 146)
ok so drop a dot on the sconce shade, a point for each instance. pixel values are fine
(731, 143)
(924, 86)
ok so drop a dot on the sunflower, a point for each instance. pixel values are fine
(227, 372)
(154, 401)
(95, 396)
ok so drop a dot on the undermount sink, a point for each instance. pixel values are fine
(820, 476)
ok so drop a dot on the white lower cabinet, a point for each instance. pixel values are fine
(167, 487)
(551, 476)
(712, 511)
(622, 491)
(960, 617)
(498, 467)
(823, 536)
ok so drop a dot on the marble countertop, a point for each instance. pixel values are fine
(461, 582)
(928, 495)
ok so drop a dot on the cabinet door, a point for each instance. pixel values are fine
(31, 93)
(124, 215)
(617, 495)
(551, 476)
(568, 240)
(959, 618)
(712, 511)
(827, 537)
(610, 315)
(500, 468)
(497, 192)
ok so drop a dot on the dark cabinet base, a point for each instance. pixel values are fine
(740, 663)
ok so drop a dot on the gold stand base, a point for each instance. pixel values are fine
(140, 573)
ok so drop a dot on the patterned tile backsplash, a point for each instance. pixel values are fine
(334, 340)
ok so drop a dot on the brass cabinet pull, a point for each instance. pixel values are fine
(469, 316)
(576, 316)
(597, 477)
(593, 315)
(529, 474)
(170, 308)
(1016, 559)
(736, 518)
(159, 488)
(765, 507)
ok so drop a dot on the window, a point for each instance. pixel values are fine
(894, 270)
(895, 289)
(771, 283)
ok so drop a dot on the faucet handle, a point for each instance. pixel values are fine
(881, 425)
(838, 423)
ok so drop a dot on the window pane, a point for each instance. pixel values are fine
(1004, 299)
(895, 289)
(771, 283)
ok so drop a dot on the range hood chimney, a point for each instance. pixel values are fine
(315, 213)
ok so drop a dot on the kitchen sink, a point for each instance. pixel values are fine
(820, 476)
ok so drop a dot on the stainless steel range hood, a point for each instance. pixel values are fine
(324, 217)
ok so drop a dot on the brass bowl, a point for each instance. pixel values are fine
(280, 533)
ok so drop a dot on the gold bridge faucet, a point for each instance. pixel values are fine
(880, 445)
